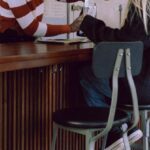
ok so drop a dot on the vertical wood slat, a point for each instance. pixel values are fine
(1, 113)
(26, 109)
(27, 100)
(5, 114)
(14, 111)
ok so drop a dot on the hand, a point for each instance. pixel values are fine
(76, 23)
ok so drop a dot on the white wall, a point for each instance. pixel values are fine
(108, 11)
(55, 13)
(55, 9)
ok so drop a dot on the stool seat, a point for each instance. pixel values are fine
(130, 107)
(92, 117)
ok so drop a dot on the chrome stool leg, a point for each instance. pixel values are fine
(147, 133)
(145, 128)
(124, 128)
(90, 145)
(55, 132)
(104, 142)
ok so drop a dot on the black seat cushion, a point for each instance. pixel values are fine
(130, 107)
(88, 117)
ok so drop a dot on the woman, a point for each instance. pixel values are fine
(97, 92)
(23, 19)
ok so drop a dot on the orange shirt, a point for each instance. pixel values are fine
(25, 16)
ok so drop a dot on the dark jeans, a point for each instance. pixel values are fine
(12, 36)
(97, 92)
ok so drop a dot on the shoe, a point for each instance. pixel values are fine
(115, 140)
(134, 135)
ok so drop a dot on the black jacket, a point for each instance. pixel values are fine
(133, 30)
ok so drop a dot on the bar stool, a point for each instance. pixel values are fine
(110, 59)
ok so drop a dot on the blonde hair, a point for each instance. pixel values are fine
(143, 7)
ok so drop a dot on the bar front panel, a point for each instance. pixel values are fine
(28, 98)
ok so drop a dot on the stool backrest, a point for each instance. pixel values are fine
(105, 53)
(118, 59)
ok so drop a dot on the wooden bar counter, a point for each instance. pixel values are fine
(14, 56)
(35, 80)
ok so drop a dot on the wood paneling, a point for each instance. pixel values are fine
(27, 100)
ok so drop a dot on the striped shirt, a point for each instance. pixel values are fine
(25, 16)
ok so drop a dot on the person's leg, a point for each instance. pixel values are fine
(96, 91)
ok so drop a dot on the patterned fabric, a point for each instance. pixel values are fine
(25, 16)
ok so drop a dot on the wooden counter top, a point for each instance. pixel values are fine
(14, 56)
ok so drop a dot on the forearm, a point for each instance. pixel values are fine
(57, 29)
(97, 31)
